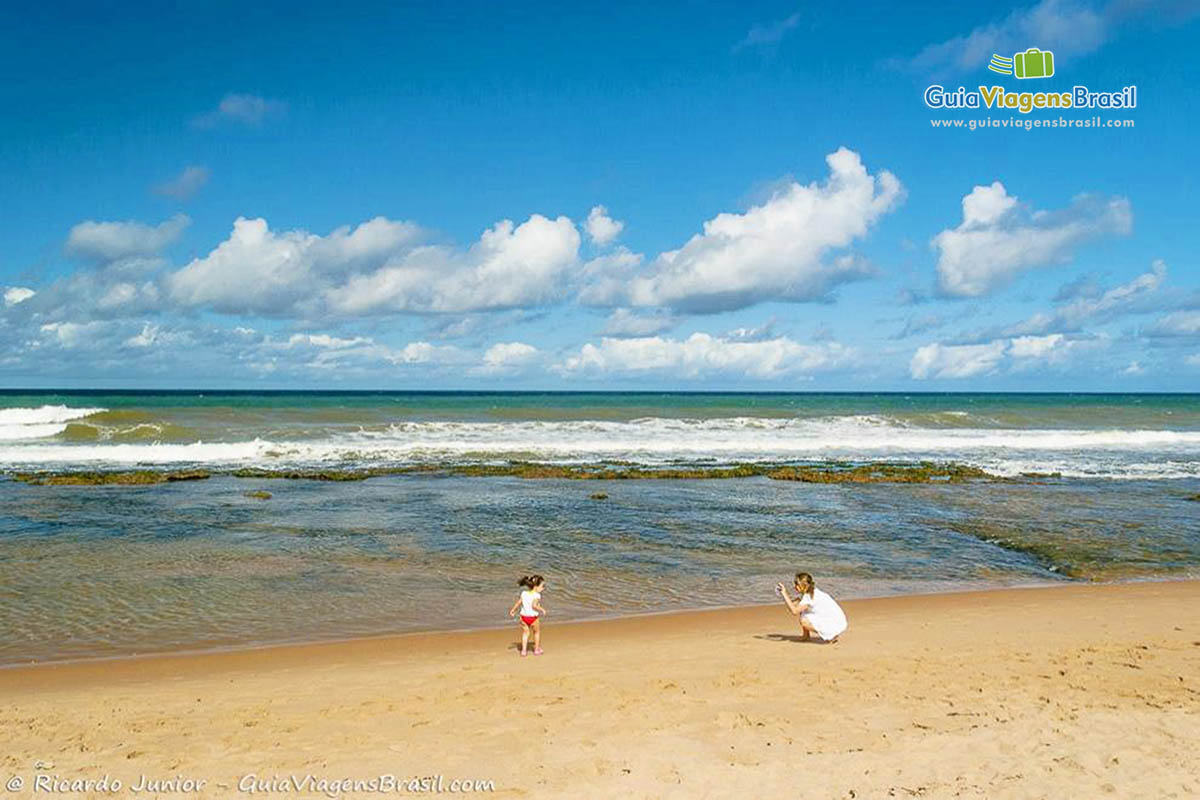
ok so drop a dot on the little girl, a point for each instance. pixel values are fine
(818, 612)
(530, 603)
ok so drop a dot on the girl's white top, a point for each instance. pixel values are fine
(824, 614)
(528, 598)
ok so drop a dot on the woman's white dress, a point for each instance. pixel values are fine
(824, 614)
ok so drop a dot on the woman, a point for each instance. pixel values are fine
(818, 612)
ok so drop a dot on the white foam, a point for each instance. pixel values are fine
(657, 440)
(37, 423)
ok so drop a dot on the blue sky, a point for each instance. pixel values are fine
(722, 196)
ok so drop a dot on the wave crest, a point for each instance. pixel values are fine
(37, 423)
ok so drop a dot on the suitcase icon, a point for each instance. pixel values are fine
(1033, 63)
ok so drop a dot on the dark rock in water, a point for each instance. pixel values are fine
(1195, 498)
(143, 477)
(258, 495)
(598, 496)
(925, 472)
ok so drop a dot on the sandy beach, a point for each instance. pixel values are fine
(1076, 691)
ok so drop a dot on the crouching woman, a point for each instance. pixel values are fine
(818, 612)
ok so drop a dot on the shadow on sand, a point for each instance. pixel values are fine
(794, 638)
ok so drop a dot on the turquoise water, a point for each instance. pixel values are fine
(107, 570)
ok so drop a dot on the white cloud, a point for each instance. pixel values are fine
(778, 250)
(147, 337)
(605, 279)
(703, 355)
(1128, 298)
(998, 239)
(956, 361)
(257, 270)
(324, 351)
(15, 295)
(760, 333)
(624, 323)
(184, 185)
(1177, 324)
(113, 241)
(69, 335)
(246, 109)
(1064, 27)
(1134, 368)
(511, 266)
(601, 228)
(768, 35)
(1035, 346)
(508, 355)
(1069, 28)
(1193, 360)
(324, 340)
(1018, 354)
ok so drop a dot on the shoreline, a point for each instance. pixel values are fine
(400, 637)
(287, 649)
(185, 652)
(1042, 691)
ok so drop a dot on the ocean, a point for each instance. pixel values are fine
(1085, 487)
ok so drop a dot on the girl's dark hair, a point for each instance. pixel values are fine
(530, 581)
(807, 584)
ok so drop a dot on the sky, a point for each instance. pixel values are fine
(750, 196)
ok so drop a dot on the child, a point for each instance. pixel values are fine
(530, 603)
(818, 612)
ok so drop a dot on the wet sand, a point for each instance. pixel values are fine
(1076, 691)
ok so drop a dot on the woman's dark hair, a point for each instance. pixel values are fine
(530, 581)
(806, 582)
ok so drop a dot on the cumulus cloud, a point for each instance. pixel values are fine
(702, 355)
(1067, 27)
(114, 241)
(999, 239)
(601, 228)
(257, 270)
(956, 361)
(184, 185)
(245, 109)
(941, 361)
(511, 266)
(70, 335)
(604, 280)
(780, 250)
(508, 356)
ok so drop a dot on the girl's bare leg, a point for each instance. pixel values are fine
(524, 638)
(806, 628)
(537, 637)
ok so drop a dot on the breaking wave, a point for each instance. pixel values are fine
(59, 436)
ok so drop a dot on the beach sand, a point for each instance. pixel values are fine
(1076, 691)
